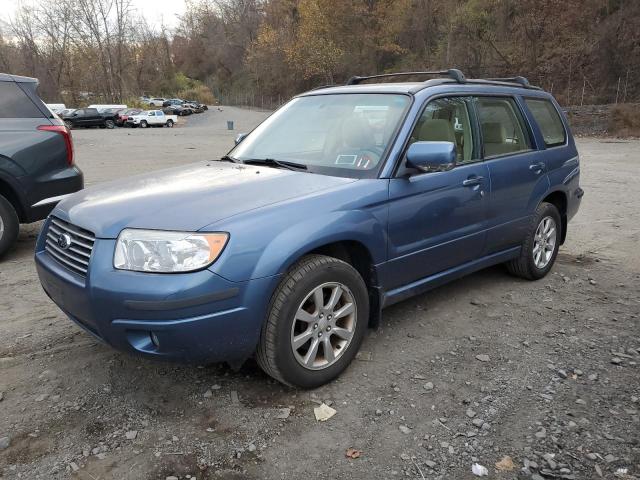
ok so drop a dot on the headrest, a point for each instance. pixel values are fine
(437, 130)
(493, 132)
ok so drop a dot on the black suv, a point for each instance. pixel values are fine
(36, 158)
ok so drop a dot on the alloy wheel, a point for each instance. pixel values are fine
(324, 326)
(544, 242)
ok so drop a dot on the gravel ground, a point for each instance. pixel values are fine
(545, 373)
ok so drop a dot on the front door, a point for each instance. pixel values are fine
(437, 220)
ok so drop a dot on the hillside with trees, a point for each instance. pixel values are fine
(585, 51)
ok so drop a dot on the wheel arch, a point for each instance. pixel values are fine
(358, 255)
(8, 192)
(558, 198)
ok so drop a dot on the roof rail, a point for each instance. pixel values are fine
(453, 73)
(519, 80)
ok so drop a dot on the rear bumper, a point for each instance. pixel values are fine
(193, 317)
(45, 192)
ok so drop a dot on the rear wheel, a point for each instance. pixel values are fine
(540, 248)
(9, 225)
(109, 124)
(170, 123)
(316, 322)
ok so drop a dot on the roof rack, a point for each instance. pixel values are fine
(522, 81)
(519, 80)
(453, 73)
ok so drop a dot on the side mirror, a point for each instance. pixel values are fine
(240, 137)
(432, 156)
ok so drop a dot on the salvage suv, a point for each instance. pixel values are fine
(36, 158)
(344, 201)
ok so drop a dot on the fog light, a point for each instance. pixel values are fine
(155, 340)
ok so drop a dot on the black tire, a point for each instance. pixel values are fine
(69, 124)
(109, 124)
(144, 124)
(524, 266)
(170, 123)
(9, 225)
(275, 354)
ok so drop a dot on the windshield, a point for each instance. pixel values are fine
(341, 134)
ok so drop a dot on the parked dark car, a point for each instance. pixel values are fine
(90, 117)
(122, 116)
(177, 110)
(172, 101)
(201, 105)
(36, 158)
(344, 201)
(195, 108)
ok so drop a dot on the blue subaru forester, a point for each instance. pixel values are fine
(344, 201)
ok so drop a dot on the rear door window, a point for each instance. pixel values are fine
(502, 125)
(14, 103)
(548, 119)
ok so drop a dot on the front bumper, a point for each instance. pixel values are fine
(191, 317)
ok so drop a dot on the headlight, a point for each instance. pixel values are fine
(167, 252)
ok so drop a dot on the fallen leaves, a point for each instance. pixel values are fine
(352, 453)
(506, 464)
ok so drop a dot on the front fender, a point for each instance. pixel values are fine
(267, 241)
(294, 242)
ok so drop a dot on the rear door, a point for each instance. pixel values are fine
(517, 170)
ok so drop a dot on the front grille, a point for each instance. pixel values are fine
(76, 256)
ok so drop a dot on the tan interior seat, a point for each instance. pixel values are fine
(437, 130)
(494, 138)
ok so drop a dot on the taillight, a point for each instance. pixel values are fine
(66, 134)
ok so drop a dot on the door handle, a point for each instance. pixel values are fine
(537, 167)
(472, 181)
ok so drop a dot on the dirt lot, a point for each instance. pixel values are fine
(486, 367)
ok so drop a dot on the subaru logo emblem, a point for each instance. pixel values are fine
(64, 241)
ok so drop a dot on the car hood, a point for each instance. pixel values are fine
(186, 198)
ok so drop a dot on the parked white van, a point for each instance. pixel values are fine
(102, 107)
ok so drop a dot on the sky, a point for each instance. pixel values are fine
(155, 11)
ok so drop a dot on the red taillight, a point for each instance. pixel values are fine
(66, 134)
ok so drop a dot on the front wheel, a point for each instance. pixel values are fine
(68, 124)
(144, 124)
(316, 322)
(540, 247)
(170, 123)
(109, 124)
(9, 225)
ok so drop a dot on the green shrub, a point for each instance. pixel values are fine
(200, 93)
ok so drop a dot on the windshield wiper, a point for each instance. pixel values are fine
(227, 158)
(273, 162)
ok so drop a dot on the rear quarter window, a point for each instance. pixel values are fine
(14, 103)
(548, 119)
